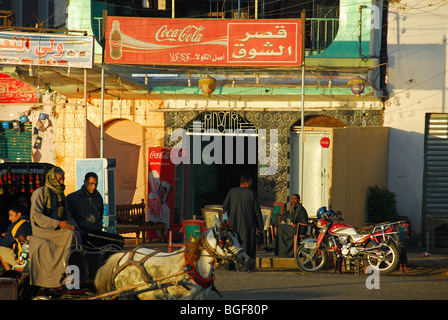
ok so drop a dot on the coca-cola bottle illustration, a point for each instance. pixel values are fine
(154, 201)
(115, 41)
(164, 190)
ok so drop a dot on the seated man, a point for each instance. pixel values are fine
(283, 244)
(86, 206)
(10, 245)
(54, 232)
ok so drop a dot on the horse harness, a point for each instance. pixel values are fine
(190, 269)
(139, 264)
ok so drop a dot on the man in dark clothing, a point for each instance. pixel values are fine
(283, 243)
(10, 242)
(86, 206)
(243, 209)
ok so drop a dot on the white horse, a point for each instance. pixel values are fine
(184, 274)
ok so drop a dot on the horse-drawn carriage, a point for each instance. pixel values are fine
(143, 273)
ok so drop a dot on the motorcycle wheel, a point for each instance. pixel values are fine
(308, 262)
(385, 260)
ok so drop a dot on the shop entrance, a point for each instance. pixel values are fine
(224, 147)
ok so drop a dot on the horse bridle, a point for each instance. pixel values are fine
(223, 242)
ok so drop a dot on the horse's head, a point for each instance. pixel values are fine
(223, 240)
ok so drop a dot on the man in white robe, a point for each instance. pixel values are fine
(54, 232)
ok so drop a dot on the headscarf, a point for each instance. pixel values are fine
(52, 185)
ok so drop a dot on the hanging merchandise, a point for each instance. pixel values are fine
(15, 126)
(9, 183)
(37, 181)
(21, 178)
(23, 118)
(39, 124)
(31, 183)
(22, 182)
(13, 185)
(38, 143)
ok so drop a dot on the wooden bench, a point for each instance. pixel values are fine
(131, 218)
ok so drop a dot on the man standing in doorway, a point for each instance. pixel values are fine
(243, 209)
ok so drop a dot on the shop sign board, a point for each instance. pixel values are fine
(36, 49)
(210, 42)
(15, 91)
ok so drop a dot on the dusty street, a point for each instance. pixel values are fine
(269, 285)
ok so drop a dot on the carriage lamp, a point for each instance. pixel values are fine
(357, 85)
(207, 85)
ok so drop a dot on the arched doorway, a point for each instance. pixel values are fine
(323, 121)
(224, 147)
(128, 143)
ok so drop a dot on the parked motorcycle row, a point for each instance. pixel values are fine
(376, 246)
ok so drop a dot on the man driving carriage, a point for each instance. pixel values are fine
(56, 232)
(53, 231)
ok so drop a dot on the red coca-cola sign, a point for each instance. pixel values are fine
(203, 41)
(325, 142)
(162, 154)
(186, 34)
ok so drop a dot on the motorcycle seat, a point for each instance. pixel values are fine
(364, 230)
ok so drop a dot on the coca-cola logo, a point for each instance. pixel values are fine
(187, 34)
(159, 154)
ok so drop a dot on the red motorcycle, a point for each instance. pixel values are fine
(378, 245)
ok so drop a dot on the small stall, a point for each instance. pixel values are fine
(18, 180)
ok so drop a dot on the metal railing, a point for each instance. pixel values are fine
(319, 34)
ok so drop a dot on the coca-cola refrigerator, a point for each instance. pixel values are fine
(160, 204)
(105, 169)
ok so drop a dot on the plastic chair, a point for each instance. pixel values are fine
(266, 213)
(209, 215)
(310, 233)
(277, 213)
(191, 230)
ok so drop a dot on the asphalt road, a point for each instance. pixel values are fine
(272, 285)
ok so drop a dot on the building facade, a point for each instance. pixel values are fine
(342, 89)
(416, 113)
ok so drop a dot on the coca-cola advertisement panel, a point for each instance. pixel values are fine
(160, 187)
(162, 41)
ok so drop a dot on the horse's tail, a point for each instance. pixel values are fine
(103, 278)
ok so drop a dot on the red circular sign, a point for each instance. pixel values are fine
(325, 142)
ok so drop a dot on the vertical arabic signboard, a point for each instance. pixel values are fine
(161, 41)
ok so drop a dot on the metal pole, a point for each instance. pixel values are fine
(85, 113)
(302, 134)
(102, 113)
(239, 9)
(102, 86)
(302, 110)
(256, 9)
